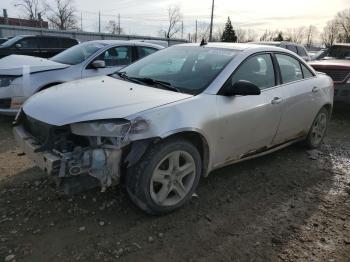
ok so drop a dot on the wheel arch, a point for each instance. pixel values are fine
(48, 86)
(198, 140)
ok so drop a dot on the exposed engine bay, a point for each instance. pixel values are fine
(75, 155)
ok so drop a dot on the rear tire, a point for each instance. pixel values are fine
(318, 129)
(166, 176)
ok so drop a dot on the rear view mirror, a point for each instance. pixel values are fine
(98, 64)
(243, 88)
(18, 46)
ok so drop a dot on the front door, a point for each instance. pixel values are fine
(248, 124)
(115, 58)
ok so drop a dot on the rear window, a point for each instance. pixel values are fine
(292, 48)
(301, 51)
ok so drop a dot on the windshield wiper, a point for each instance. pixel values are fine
(149, 81)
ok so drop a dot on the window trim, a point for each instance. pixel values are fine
(277, 81)
(300, 62)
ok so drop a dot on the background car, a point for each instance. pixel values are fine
(335, 62)
(160, 127)
(36, 45)
(296, 48)
(23, 76)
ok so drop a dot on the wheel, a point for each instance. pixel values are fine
(166, 176)
(318, 129)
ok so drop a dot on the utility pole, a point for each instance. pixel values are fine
(195, 36)
(99, 21)
(119, 30)
(182, 29)
(211, 22)
(81, 21)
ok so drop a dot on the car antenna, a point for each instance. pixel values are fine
(203, 43)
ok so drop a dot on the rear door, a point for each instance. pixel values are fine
(115, 58)
(248, 124)
(49, 46)
(299, 92)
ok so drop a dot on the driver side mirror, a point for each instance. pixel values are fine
(98, 64)
(243, 88)
(18, 46)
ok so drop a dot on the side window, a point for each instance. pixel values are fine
(307, 73)
(301, 51)
(28, 42)
(116, 56)
(48, 42)
(290, 68)
(258, 70)
(292, 48)
(67, 42)
(145, 51)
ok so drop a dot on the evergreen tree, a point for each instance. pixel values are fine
(229, 35)
(279, 38)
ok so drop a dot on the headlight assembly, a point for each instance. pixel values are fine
(6, 80)
(110, 127)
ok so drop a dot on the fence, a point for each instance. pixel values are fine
(7, 31)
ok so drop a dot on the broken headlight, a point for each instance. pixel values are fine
(110, 127)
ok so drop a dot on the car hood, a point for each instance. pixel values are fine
(96, 98)
(17, 64)
(331, 64)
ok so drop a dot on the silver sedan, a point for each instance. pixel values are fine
(22, 76)
(162, 123)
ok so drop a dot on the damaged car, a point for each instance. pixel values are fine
(164, 122)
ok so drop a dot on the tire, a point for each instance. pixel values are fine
(318, 129)
(153, 184)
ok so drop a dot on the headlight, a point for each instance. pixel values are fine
(110, 127)
(348, 82)
(6, 80)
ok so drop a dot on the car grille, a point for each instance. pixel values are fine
(39, 130)
(5, 103)
(336, 75)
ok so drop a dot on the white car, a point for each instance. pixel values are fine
(23, 76)
(162, 123)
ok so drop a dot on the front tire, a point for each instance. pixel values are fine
(166, 176)
(318, 129)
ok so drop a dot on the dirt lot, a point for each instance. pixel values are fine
(292, 205)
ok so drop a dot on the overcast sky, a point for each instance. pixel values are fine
(146, 17)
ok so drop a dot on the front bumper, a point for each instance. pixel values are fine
(44, 160)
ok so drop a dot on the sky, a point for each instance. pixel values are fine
(148, 17)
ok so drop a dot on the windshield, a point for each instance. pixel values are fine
(336, 52)
(78, 53)
(12, 41)
(190, 69)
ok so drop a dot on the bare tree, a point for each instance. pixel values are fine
(268, 35)
(113, 28)
(61, 14)
(296, 35)
(342, 20)
(32, 8)
(241, 35)
(252, 35)
(311, 32)
(203, 31)
(330, 33)
(175, 17)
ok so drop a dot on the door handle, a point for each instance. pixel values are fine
(315, 89)
(276, 100)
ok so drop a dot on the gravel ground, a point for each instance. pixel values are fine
(292, 205)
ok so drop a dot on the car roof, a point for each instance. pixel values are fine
(238, 47)
(124, 42)
(342, 44)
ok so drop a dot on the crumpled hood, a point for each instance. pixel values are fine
(95, 98)
(13, 65)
